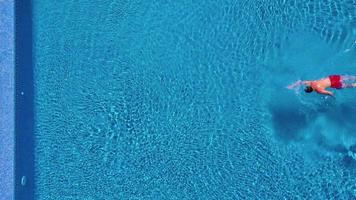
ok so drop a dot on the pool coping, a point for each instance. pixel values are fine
(7, 100)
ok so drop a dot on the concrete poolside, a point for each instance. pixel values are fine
(7, 88)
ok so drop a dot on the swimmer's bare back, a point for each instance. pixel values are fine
(332, 81)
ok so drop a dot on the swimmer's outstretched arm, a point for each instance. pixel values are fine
(298, 83)
(326, 93)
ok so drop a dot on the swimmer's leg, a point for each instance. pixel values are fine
(348, 77)
(348, 81)
(353, 85)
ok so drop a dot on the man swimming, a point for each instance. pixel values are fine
(332, 81)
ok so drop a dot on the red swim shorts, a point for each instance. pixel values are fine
(336, 81)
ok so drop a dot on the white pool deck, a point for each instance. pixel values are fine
(7, 87)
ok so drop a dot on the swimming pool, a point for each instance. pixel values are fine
(187, 100)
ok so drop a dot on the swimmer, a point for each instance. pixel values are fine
(332, 81)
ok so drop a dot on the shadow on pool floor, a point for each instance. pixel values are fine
(328, 125)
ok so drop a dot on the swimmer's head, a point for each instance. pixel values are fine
(308, 89)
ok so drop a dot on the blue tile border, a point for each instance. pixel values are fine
(24, 103)
(7, 99)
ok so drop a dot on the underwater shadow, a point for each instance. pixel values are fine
(293, 121)
(288, 118)
(349, 159)
(343, 115)
(287, 122)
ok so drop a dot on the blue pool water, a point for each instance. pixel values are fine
(187, 100)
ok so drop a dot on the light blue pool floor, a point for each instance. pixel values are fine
(187, 100)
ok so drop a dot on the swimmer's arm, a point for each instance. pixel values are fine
(307, 82)
(326, 92)
(298, 83)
